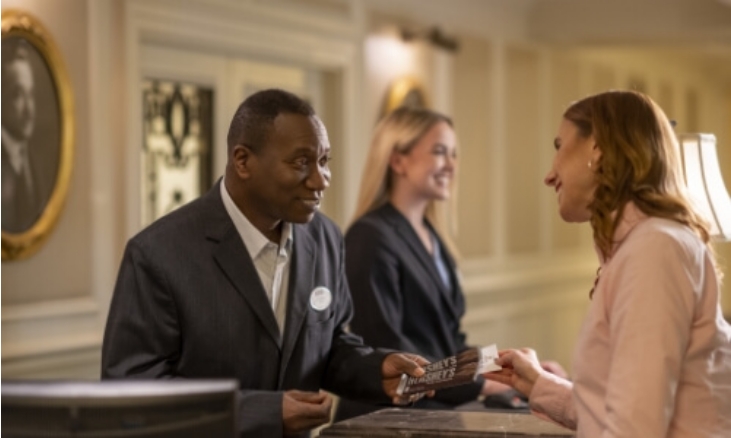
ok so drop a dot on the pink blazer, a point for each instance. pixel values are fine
(653, 358)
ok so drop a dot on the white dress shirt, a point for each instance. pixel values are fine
(271, 261)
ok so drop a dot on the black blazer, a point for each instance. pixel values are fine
(189, 304)
(400, 300)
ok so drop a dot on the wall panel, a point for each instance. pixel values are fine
(473, 118)
(523, 140)
(565, 88)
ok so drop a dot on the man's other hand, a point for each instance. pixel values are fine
(302, 411)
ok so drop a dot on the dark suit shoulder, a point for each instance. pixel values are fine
(323, 226)
(187, 224)
(379, 224)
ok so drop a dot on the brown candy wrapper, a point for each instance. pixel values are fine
(451, 371)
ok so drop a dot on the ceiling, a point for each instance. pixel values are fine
(696, 28)
(628, 22)
(696, 23)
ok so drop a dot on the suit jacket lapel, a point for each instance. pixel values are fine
(301, 283)
(234, 260)
(407, 233)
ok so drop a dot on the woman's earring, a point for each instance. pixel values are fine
(589, 164)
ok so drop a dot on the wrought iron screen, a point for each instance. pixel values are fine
(177, 145)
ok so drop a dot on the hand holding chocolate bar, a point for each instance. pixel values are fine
(394, 368)
(451, 371)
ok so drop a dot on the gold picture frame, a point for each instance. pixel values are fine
(405, 91)
(37, 134)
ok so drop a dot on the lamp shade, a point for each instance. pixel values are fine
(705, 183)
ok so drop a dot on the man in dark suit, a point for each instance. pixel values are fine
(248, 282)
(27, 175)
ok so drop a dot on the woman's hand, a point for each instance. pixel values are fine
(554, 367)
(521, 369)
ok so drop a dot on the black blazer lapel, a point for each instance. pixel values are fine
(408, 235)
(301, 283)
(234, 260)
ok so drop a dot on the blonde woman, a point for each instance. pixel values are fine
(399, 256)
(653, 357)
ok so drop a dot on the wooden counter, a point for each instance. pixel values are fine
(418, 423)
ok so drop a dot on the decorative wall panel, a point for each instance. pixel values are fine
(177, 139)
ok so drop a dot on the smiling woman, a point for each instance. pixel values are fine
(656, 294)
(400, 257)
(572, 174)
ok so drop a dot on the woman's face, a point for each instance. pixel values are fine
(572, 175)
(428, 169)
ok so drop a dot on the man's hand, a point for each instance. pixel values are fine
(302, 411)
(396, 364)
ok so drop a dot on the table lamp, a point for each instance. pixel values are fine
(705, 183)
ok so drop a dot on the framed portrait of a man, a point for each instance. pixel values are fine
(37, 134)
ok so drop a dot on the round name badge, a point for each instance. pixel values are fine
(320, 298)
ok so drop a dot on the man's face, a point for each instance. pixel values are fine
(18, 105)
(290, 173)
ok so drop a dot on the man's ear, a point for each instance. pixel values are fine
(241, 159)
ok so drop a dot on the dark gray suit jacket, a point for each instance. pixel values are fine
(189, 304)
(400, 300)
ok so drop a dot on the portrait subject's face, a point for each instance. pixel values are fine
(290, 173)
(18, 104)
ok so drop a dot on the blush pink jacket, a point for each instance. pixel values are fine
(653, 358)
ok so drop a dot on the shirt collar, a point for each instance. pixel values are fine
(253, 239)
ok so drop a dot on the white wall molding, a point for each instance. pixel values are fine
(529, 301)
(77, 363)
(342, 17)
(485, 276)
(242, 33)
(537, 303)
(104, 136)
(36, 335)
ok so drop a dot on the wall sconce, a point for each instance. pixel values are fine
(434, 36)
(704, 181)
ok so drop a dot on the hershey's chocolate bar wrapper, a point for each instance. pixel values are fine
(451, 371)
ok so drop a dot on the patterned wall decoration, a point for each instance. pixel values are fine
(177, 148)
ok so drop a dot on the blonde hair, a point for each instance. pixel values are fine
(398, 132)
(640, 162)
